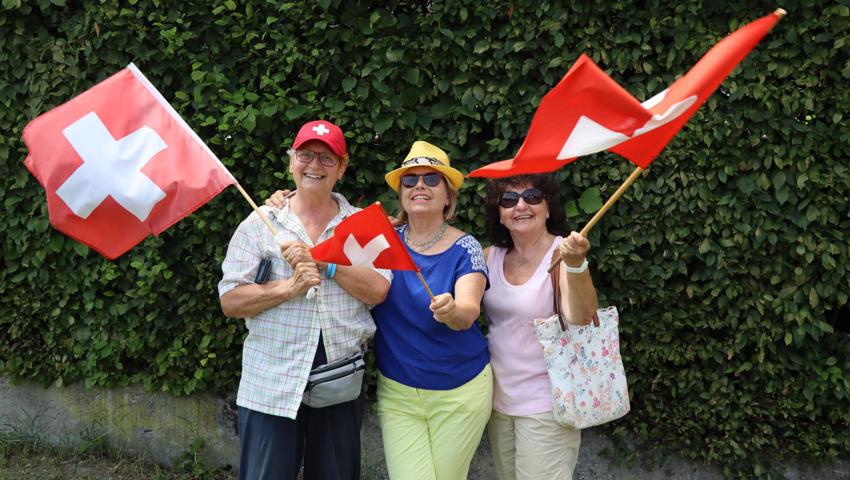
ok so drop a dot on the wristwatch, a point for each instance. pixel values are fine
(579, 269)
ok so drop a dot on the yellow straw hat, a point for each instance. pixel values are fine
(423, 154)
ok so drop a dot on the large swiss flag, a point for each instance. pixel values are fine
(118, 163)
(588, 112)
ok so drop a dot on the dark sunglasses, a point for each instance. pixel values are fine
(531, 196)
(410, 180)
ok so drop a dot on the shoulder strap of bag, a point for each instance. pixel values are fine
(555, 276)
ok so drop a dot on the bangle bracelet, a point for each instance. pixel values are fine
(579, 269)
(331, 270)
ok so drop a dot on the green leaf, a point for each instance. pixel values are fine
(250, 122)
(782, 195)
(590, 202)
(395, 54)
(570, 209)
(383, 124)
(295, 111)
(411, 75)
(80, 249)
(778, 180)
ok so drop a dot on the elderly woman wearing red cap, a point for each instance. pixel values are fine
(291, 332)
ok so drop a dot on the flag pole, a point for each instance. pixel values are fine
(422, 279)
(779, 12)
(256, 209)
(312, 292)
(611, 201)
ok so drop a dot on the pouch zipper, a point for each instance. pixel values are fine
(310, 385)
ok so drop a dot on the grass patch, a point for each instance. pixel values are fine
(23, 457)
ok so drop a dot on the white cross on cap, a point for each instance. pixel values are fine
(321, 129)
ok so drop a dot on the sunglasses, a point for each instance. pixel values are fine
(531, 196)
(410, 180)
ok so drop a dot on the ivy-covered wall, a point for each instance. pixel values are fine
(728, 259)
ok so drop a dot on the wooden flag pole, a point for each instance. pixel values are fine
(422, 279)
(256, 209)
(611, 201)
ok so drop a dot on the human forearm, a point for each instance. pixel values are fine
(249, 300)
(362, 283)
(463, 316)
(461, 311)
(579, 301)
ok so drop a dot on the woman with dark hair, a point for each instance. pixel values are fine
(526, 224)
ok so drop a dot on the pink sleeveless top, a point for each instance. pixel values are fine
(520, 382)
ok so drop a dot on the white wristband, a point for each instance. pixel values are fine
(580, 269)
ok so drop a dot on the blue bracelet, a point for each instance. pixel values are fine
(331, 270)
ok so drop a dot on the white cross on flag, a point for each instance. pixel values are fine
(365, 239)
(118, 163)
(588, 112)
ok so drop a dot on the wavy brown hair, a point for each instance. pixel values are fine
(556, 224)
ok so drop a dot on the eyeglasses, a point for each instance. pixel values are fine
(410, 180)
(531, 196)
(326, 159)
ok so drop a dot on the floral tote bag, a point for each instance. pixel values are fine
(585, 369)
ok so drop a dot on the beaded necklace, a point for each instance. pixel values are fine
(421, 247)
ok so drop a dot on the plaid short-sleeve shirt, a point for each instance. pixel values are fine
(278, 352)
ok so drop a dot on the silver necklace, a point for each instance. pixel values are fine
(421, 247)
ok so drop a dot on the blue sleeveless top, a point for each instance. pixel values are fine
(410, 346)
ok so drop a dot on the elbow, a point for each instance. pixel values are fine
(227, 311)
(377, 299)
(228, 307)
(466, 320)
(379, 294)
(461, 325)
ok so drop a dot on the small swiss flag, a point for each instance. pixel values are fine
(118, 163)
(365, 239)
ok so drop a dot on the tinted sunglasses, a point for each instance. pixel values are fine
(531, 196)
(410, 180)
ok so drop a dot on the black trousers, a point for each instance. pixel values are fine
(326, 440)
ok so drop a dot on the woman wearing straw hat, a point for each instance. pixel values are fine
(434, 383)
(291, 332)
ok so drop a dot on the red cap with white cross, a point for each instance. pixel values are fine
(323, 131)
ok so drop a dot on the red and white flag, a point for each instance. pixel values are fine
(366, 239)
(588, 112)
(118, 163)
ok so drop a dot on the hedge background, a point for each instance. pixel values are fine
(728, 259)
